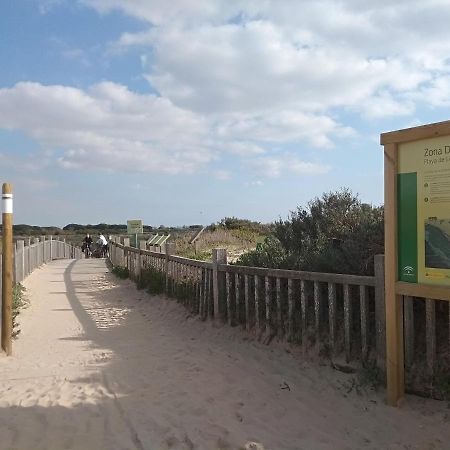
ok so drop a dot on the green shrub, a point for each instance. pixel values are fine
(184, 289)
(121, 272)
(153, 280)
(335, 233)
(269, 253)
(18, 302)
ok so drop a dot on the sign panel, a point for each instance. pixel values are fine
(135, 227)
(423, 211)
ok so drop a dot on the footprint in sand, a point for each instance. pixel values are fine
(253, 446)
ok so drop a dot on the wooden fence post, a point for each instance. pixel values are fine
(126, 243)
(36, 253)
(170, 250)
(380, 313)
(142, 246)
(44, 253)
(28, 242)
(20, 261)
(219, 256)
(7, 267)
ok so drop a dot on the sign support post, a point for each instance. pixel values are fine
(7, 268)
(394, 311)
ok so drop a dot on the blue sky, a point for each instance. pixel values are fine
(189, 111)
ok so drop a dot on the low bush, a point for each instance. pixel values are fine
(153, 280)
(18, 302)
(121, 272)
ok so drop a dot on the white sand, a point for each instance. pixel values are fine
(100, 365)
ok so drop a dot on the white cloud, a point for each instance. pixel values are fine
(111, 128)
(281, 127)
(250, 78)
(254, 183)
(275, 167)
(76, 54)
(436, 93)
(233, 68)
(384, 105)
(107, 127)
(45, 6)
(28, 164)
(222, 175)
(244, 148)
(260, 57)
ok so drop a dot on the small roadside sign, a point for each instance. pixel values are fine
(135, 227)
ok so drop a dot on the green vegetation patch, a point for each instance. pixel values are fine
(335, 233)
(153, 280)
(18, 302)
(121, 272)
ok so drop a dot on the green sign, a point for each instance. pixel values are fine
(423, 211)
(135, 227)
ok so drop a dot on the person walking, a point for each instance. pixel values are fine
(103, 243)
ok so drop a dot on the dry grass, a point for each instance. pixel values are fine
(235, 242)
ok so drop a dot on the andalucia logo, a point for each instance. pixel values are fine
(408, 271)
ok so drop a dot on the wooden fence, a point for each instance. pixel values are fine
(331, 313)
(30, 255)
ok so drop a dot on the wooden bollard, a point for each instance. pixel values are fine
(7, 268)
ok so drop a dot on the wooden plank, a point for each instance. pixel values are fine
(198, 284)
(304, 315)
(380, 313)
(177, 279)
(207, 289)
(347, 322)
(290, 294)
(247, 302)
(237, 290)
(267, 300)
(394, 307)
(219, 257)
(210, 294)
(364, 313)
(332, 316)
(423, 290)
(416, 133)
(202, 293)
(317, 302)
(229, 288)
(205, 293)
(257, 304)
(430, 312)
(279, 312)
(192, 262)
(408, 308)
(356, 280)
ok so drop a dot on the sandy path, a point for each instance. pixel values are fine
(100, 365)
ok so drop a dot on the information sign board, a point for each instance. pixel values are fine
(135, 227)
(423, 211)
